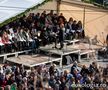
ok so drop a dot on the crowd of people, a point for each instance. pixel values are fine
(38, 29)
(43, 77)
(34, 30)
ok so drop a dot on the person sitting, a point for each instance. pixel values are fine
(48, 20)
(80, 30)
(39, 83)
(44, 37)
(74, 66)
(6, 42)
(31, 42)
(21, 39)
(84, 70)
(1, 45)
(12, 40)
(74, 28)
(93, 69)
(69, 31)
(105, 72)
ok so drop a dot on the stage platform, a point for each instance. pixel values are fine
(5, 56)
(65, 53)
(32, 60)
(59, 52)
(48, 54)
(79, 49)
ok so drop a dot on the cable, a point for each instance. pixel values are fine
(13, 7)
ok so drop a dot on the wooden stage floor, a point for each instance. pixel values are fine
(68, 49)
(32, 60)
(38, 59)
(59, 52)
(65, 51)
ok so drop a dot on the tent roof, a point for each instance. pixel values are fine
(11, 8)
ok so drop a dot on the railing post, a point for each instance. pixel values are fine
(4, 59)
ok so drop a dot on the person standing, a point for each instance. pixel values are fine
(107, 40)
(61, 35)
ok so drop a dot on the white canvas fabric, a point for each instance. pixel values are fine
(11, 8)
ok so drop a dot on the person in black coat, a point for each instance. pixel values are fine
(61, 35)
(61, 19)
(84, 71)
(107, 40)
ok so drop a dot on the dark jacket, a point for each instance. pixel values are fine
(60, 35)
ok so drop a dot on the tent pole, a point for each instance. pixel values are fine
(84, 19)
(58, 6)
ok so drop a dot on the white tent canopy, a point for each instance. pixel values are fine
(11, 8)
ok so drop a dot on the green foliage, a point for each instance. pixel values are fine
(98, 3)
(88, 1)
